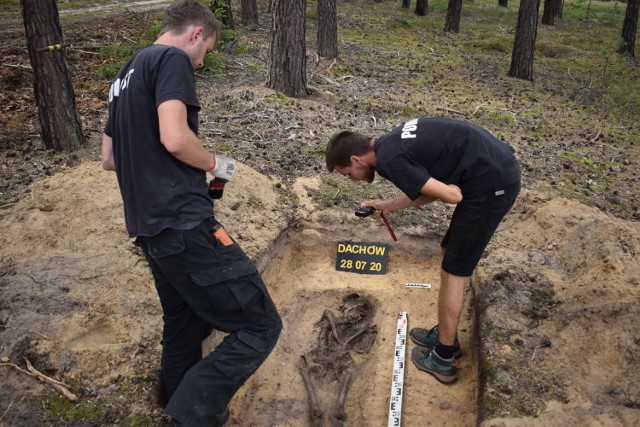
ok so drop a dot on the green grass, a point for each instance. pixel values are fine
(338, 190)
(70, 412)
(115, 55)
(577, 45)
(582, 88)
(582, 45)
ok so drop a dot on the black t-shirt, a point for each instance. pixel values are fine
(450, 151)
(158, 190)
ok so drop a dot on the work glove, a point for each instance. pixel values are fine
(224, 168)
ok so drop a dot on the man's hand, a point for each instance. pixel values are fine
(224, 168)
(380, 206)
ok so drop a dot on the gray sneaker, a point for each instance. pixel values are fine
(427, 360)
(429, 338)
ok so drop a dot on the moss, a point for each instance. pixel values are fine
(491, 406)
(288, 197)
(519, 412)
(312, 14)
(70, 412)
(540, 300)
(335, 189)
(490, 371)
(550, 49)
(278, 98)
(501, 45)
(139, 421)
(254, 202)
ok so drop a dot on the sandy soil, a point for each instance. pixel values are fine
(79, 303)
(107, 316)
(549, 330)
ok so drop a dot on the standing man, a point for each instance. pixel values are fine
(203, 278)
(433, 159)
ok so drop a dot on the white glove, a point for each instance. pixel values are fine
(225, 167)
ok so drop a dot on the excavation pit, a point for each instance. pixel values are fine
(339, 338)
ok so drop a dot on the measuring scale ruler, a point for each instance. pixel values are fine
(397, 379)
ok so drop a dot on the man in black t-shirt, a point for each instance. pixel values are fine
(433, 159)
(203, 278)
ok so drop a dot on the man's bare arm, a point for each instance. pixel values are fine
(106, 153)
(179, 139)
(448, 193)
(433, 190)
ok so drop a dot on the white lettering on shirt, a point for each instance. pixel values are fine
(408, 128)
(120, 85)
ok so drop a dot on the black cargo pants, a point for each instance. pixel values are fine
(203, 284)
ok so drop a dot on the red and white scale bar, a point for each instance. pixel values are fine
(397, 379)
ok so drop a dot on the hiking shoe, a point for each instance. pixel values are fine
(429, 338)
(427, 360)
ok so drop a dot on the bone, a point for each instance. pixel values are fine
(369, 329)
(332, 322)
(339, 416)
(316, 412)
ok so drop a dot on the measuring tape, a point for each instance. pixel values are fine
(397, 379)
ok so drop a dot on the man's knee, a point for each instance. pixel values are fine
(271, 333)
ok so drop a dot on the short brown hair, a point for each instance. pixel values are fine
(343, 145)
(179, 15)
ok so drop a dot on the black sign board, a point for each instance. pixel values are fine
(362, 257)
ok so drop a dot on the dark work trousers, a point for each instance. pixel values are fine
(203, 284)
(473, 224)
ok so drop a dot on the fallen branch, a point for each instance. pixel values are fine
(595, 137)
(85, 51)
(329, 80)
(6, 410)
(33, 372)
(26, 67)
(324, 91)
(477, 108)
(8, 205)
(23, 329)
(451, 111)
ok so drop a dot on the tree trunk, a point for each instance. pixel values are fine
(249, 13)
(327, 29)
(287, 53)
(406, 3)
(222, 10)
(503, 3)
(422, 7)
(559, 5)
(452, 24)
(525, 42)
(629, 29)
(548, 12)
(60, 125)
